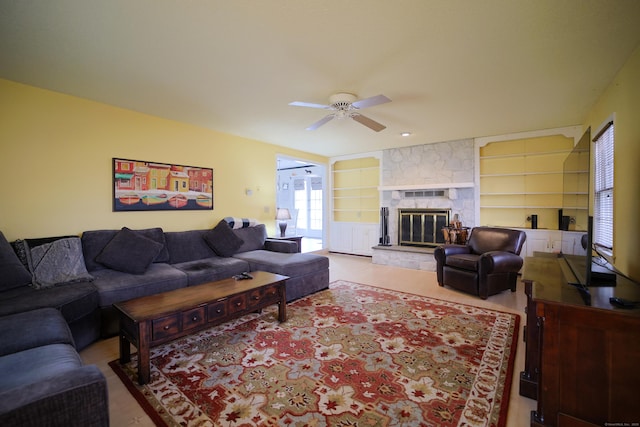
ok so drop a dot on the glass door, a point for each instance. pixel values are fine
(300, 188)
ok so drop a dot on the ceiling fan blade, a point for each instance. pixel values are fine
(310, 105)
(320, 122)
(370, 102)
(371, 124)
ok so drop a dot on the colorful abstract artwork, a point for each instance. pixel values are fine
(151, 186)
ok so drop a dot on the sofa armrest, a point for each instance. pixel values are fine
(500, 262)
(278, 245)
(72, 398)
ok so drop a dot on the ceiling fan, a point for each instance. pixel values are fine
(346, 105)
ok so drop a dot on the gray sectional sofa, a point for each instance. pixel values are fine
(42, 378)
(81, 277)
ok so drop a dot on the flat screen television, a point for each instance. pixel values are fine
(574, 216)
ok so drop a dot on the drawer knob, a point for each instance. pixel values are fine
(194, 318)
(166, 328)
(256, 298)
(218, 311)
(238, 304)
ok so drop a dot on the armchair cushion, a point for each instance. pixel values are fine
(464, 261)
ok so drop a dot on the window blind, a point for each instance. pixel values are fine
(603, 188)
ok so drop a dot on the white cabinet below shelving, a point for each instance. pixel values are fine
(552, 241)
(354, 237)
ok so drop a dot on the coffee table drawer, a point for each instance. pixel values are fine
(217, 310)
(260, 298)
(237, 303)
(194, 318)
(165, 327)
(270, 293)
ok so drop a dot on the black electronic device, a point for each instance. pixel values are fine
(623, 303)
(589, 269)
(243, 276)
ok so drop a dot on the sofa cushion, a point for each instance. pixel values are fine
(94, 241)
(115, 286)
(37, 364)
(74, 300)
(129, 252)
(211, 269)
(223, 240)
(187, 246)
(58, 262)
(12, 272)
(30, 329)
(253, 237)
(288, 264)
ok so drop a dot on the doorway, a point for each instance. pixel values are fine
(301, 189)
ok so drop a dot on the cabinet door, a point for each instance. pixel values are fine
(572, 243)
(354, 238)
(364, 237)
(537, 244)
(341, 237)
(543, 241)
(555, 242)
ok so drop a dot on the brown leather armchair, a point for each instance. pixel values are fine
(486, 265)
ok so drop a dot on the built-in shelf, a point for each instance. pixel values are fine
(522, 194)
(522, 178)
(412, 187)
(355, 196)
(527, 154)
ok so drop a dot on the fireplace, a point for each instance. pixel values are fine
(422, 227)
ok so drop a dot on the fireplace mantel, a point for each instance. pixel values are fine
(412, 187)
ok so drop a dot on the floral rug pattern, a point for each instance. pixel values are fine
(352, 355)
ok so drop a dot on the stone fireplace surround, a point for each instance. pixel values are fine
(447, 166)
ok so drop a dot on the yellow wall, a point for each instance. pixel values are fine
(56, 153)
(622, 97)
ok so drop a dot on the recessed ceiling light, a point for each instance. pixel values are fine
(405, 134)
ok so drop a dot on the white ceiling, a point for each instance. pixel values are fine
(454, 69)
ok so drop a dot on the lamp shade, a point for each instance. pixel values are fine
(283, 214)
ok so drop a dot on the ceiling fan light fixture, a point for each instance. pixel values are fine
(342, 101)
(347, 105)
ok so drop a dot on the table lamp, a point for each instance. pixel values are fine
(282, 215)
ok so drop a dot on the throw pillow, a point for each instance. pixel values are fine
(57, 263)
(129, 252)
(223, 240)
(254, 237)
(12, 272)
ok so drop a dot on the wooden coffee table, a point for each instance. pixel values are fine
(155, 319)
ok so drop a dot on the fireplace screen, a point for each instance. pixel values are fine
(422, 227)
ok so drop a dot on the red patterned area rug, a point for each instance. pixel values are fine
(353, 355)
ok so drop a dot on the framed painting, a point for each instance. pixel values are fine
(150, 186)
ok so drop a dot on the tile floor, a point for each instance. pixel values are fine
(125, 411)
